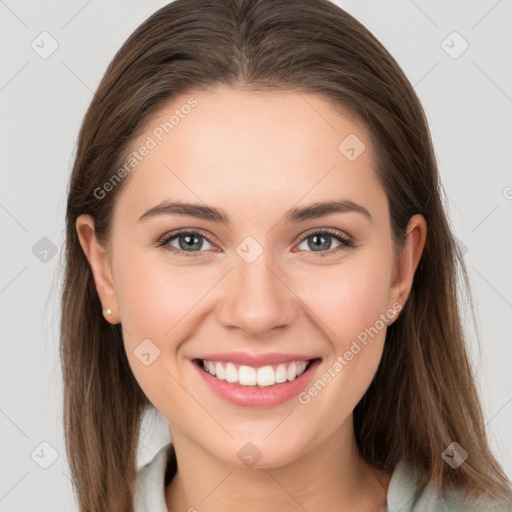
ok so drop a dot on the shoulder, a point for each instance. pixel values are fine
(150, 485)
(405, 481)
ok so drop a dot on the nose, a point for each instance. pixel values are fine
(258, 298)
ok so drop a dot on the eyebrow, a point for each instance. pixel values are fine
(297, 214)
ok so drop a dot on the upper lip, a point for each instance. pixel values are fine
(255, 360)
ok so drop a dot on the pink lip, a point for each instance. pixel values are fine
(254, 396)
(255, 360)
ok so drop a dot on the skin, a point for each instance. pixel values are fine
(256, 155)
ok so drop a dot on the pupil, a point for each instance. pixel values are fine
(194, 242)
(190, 242)
(317, 245)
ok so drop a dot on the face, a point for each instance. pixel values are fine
(262, 283)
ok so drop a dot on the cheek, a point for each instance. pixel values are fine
(348, 297)
(150, 304)
(351, 301)
(163, 303)
(154, 296)
(355, 347)
(156, 303)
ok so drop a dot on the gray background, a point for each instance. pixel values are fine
(468, 101)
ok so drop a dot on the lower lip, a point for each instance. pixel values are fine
(254, 396)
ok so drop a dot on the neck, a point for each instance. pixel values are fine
(330, 476)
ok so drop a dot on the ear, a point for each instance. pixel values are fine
(98, 259)
(408, 260)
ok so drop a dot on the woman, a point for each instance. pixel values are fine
(257, 248)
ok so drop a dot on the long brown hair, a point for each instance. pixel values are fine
(423, 395)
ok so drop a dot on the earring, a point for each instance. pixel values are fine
(108, 311)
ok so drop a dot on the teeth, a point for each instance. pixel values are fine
(281, 374)
(220, 372)
(266, 376)
(301, 367)
(231, 373)
(291, 373)
(249, 376)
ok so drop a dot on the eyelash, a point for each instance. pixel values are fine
(345, 242)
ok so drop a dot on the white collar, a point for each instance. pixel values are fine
(150, 490)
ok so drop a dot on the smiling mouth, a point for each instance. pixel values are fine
(248, 376)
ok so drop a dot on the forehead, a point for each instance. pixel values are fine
(260, 148)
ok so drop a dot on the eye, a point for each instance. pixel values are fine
(190, 243)
(320, 241)
(186, 240)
